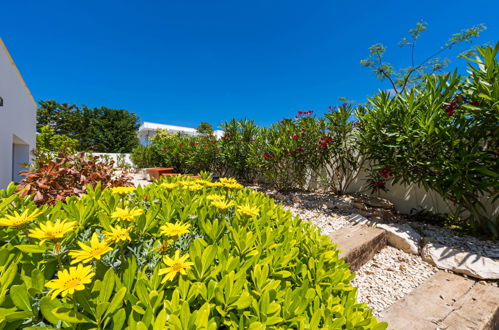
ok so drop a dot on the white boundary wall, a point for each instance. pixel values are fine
(413, 198)
(115, 156)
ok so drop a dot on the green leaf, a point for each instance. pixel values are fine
(70, 316)
(47, 305)
(31, 248)
(119, 319)
(117, 300)
(106, 287)
(20, 297)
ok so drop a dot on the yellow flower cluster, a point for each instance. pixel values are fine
(67, 282)
(117, 235)
(176, 265)
(222, 204)
(248, 210)
(174, 229)
(91, 252)
(126, 214)
(122, 190)
(52, 230)
(169, 186)
(19, 220)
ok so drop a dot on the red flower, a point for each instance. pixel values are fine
(216, 150)
(300, 150)
(355, 124)
(267, 156)
(181, 145)
(213, 142)
(386, 172)
(379, 184)
(295, 137)
(475, 103)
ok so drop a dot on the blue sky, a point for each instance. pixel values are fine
(182, 62)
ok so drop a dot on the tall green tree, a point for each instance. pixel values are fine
(205, 128)
(96, 129)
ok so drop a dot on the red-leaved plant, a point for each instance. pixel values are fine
(68, 175)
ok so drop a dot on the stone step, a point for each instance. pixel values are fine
(358, 244)
(446, 301)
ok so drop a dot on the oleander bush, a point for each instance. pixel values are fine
(234, 149)
(443, 135)
(178, 254)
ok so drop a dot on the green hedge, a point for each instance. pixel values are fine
(182, 254)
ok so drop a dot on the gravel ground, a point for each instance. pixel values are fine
(389, 276)
(392, 273)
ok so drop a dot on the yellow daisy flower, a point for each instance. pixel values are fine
(248, 210)
(194, 187)
(233, 185)
(228, 180)
(70, 281)
(52, 230)
(117, 235)
(174, 230)
(215, 197)
(168, 185)
(176, 265)
(95, 251)
(123, 190)
(19, 220)
(222, 204)
(127, 214)
(186, 183)
(214, 184)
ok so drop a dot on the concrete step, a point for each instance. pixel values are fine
(446, 301)
(358, 244)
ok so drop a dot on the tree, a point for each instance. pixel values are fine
(415, 73)
(98, 129)
(205, 128)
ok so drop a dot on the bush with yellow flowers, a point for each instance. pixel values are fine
(181, 253)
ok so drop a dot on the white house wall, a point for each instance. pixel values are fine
(17, 120)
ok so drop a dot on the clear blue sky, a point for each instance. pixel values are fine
(182, 62)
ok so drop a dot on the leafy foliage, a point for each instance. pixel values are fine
(443, 136)
(415, 74)
(48, 144)
(68, 175)
(222, 268)
(98, 129)
(205, 128)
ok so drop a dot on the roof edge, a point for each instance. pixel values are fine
(2, 44)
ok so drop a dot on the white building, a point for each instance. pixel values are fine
(17, 120)
(147, 130)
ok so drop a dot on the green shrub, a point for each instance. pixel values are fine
(186, 154)
(235, 147)
(443, 136)
(178, 254)
(145, 157)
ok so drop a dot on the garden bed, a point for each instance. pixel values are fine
(181, 253)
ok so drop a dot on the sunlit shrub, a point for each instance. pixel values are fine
(178, 254)
(443, 136)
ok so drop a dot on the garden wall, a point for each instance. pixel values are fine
(117, 157)
(412, 198)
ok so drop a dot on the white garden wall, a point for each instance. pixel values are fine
(413, 198)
